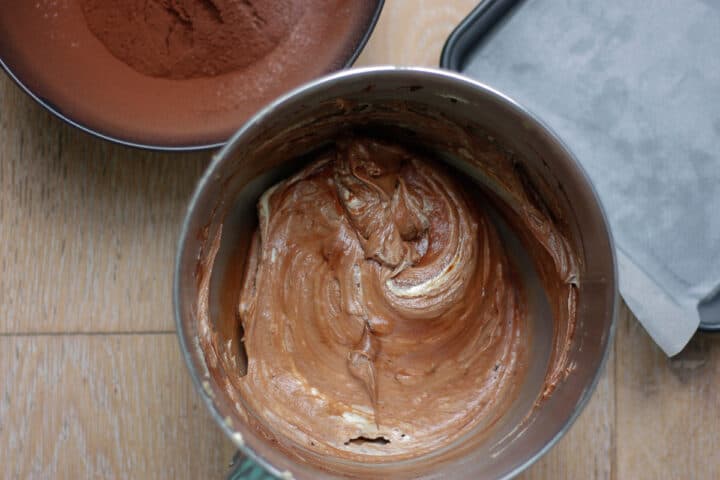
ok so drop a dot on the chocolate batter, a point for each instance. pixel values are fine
(382, 316)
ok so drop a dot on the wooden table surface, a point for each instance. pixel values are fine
(92, 384)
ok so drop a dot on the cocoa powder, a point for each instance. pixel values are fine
(190, 38)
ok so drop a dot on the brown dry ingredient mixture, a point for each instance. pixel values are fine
(190, 38)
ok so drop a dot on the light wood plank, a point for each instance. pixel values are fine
(117, 406)
(413, 32)
(88, 229)
(667, 409)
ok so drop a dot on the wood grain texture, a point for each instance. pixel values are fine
(103, 406)
(88, 229)
(667, 408)
(87, 238)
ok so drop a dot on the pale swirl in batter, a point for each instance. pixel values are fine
(382, 316)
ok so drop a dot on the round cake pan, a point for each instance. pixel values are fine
(106, 108)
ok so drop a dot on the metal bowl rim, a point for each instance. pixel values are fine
(320, 83)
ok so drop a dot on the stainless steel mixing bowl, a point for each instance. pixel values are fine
(268, 148)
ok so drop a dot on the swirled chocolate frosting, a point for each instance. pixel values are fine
(382, 316)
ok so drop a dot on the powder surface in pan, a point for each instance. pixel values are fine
(190, 38)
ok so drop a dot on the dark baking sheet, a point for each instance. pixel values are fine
(624, 83)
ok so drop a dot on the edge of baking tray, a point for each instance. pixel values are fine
(471, 30)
